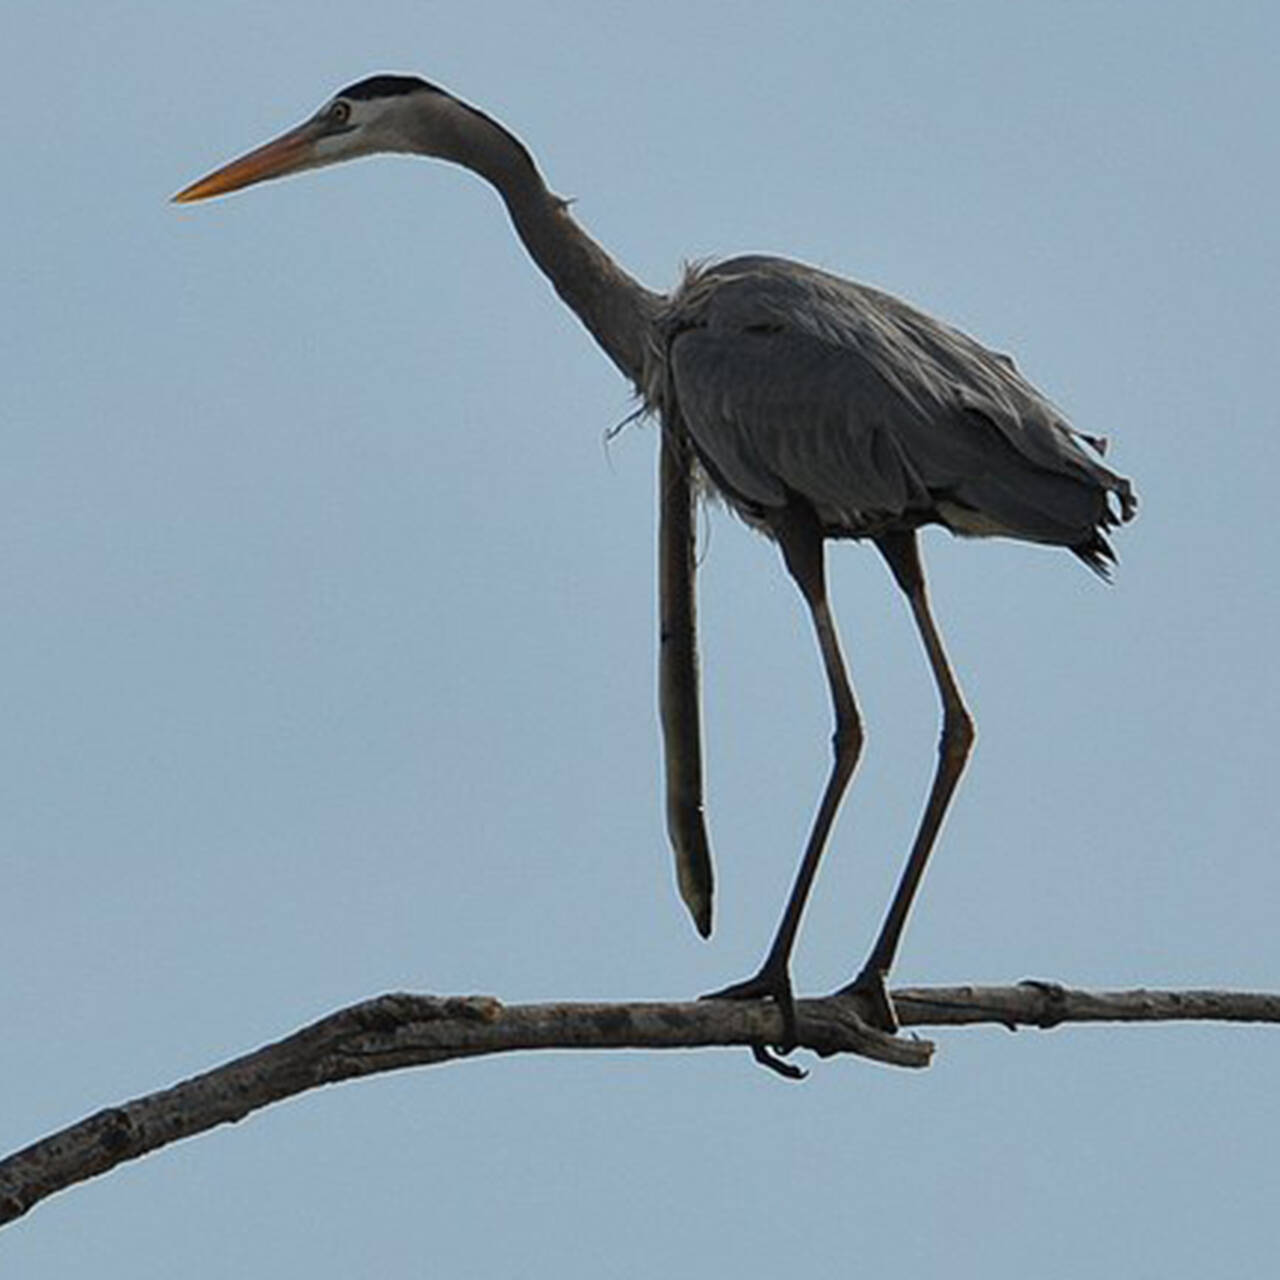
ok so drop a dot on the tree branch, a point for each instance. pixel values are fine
(395, 1031)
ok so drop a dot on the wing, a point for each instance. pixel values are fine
(795, 382)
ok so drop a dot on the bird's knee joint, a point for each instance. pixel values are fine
(847, 739)
(959, 733)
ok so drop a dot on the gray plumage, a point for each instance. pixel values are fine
(795, 382)
(819, 409)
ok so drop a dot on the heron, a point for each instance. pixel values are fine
(816, 408)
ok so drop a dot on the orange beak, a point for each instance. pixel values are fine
(283, 155)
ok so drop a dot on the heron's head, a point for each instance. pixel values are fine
(382, 113)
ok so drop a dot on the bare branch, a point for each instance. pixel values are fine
(395, 1031)
(1032, 1003)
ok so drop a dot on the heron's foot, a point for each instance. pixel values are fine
(773, 982)
(871, 999)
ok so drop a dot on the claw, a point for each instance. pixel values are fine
(787, 1070)
(872, 1000)
(771, 983)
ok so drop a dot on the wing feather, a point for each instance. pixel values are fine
(795, 382)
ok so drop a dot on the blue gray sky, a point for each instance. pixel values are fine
(328, 657)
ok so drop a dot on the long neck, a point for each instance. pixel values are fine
(617, 310)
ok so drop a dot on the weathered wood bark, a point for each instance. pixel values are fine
(395, 1031)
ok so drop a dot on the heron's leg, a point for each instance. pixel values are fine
(903, 555)
(800, 537)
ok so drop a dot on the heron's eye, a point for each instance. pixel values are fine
(340, 112)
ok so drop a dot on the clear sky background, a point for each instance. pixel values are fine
(328, 657)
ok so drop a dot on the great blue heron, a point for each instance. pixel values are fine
(816, 407)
